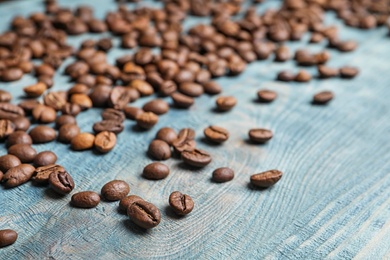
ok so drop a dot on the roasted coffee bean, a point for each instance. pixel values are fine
(7, 237)
(35, 90)
(302, 76)
(167, 88)
(157, 106)
(18, 175)
(202, 76)
(108, 125)
(65, 119)
(132, 112)
(316, 37)
(113, 114)
(82, 141)
(216, 134)
(6, 128)
(119, 97)
(104, 44)
(47, 80)
(225, 103)
(24, 152)
(11, 74)
(28, 105)
(285, 76)
(44, 114)
(212, 88)
(126, 202)
(322, 97)
(67, 132)
(196, 157)
(346, 46)
(21, 123)
(144, 214)
(266, 179)
(183, 144)
(105, 141)
(19, 137)
(115, 190)
(100, 95)
(223, 174)
(87, 80)
(85, 199)
(159, 150)
(143, 87)
(61, 181)
(166, 134)
(191, 89)
(10, 111)
(186, 133)
(5, 96)
(147, 120)
(327, 72)
(182, 101)
(42, 173)
(8, 161)
(45, 158)
(155, 171)
(42, 134)
(348, 72)
(182, 204)
(78, 89)
(71, 109)
(266, 96)
(282, 53)
(82, 100)
(44, 69)
(260, 135)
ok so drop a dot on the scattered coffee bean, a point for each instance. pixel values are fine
(266, 96)
(126, 202)
(44, 114)
(5, 96)
(327, 72)
(132, 112)
(302, 76)
(182, 204)
(71, 109)
(322, 97)
(42, 134)
(61, 181)
(10, 111)
(113, 114)
(155, 171)
(42, 173)
(216, 134)
(212, 88)
(146, 120)
(157, 106)
(348, 72)
(8, 161)
(82, 141)
(282, 53)
(65, 119)
(82, 100)
(196, 157)
(85, 199)
(45, 158)
(21, 123)
(260, 135)
(67, 132)
(11, 74)
(7, 237)
(6, 128)
(144, 214)
(159, 150)
(226, 103)
(115, 190)
(223, 174)
(19, 137)
(266, 179)
(18, 175)
(191, 89)
(28, 105)
(55, 100)
(105, 141)
(181, 100)
(286, 76)
(108, 125)
(35, 90)
(24, 152)
(166, 134)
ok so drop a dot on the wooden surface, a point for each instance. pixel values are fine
(333, 201)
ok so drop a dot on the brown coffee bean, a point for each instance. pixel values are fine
(5, 96)
(42, 173)
(65, 119)
(327, 72)
(8, 161)
(44, 114)
(6, 128)
(100, 95)
(266, 96)
(182, 204)
(42, 134)
(266, 179)
(71, 109)
(115, 190)
(155, 171)
(61, 181)
(21, 123)
(322, 97)
(28, 105)
(35, 90)
(104, 44)
(302, 76)
(282, 53)
(346, 46)
(225, 103)
(212, 88)
(18, 175)
(105, 141)
(82, 100)
(348, 72)
(196, 157)
(157, 106)
(316, 37)
(143, 87)
(108, 125)
(24, 152)
(82, 141)
(19, 137)
(44, 69)
(7, 237)
(182, 101)
(126, 202)
(113, 114)
(191, 89)
(67, 132)
(11, 74)
(223, 174)
(47, 80)
(260, 135)
(144, 214)
(216, 134)
(159, 150)
(45, 158)
(10, 111)
(166, 134)
(85, 199)
(132, 112)
(285, 76)
(79, 89)
(147, 120)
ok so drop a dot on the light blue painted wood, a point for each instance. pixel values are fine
(333, 201)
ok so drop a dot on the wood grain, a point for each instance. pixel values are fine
(332, 202)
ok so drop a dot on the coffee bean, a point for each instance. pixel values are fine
(266, 96)
(47, 80)
(18, 175)
(7, 237)
(42, 134)
(216, 134)
(44, 114)
(316, 37)
(78, 89)
(126, 202)
(147, 120)
(155, 171)
(82, 141)
(183, 144)
(45, 158)
(10, 111)
(113, 114)
(322, 97)
(100, 95)
(44, 69)
(82, 100)
(21, 123)
(225, 103)
(11, 74)
(67, 132)
(115, 190)
(108, 125)
(42, 173)
(71, 109)
(105, 141)
(182, 101)
(327, 72)
(157, 106)
(65, 119)
(8, 161)
(196, 157)
(348, 72)
(346, 46)
(302, 76)
(182, 204)
(260, 135)
(282, 53)
(28, 105)
(19, 137)
(143, 87)
(167, 88)
(104, 44)
(5, 96)
(144, 214)
(132, 112)
(166, 134)
(223, 174)
(159, 150)
(61, 181)
(119, 97)
(266, 179)
(212, 88)
(35, 90)
(24, 152)
(6, 128)
(191, 89)
(285, 76)
(85, 199)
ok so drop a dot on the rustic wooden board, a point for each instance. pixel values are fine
(333, 201)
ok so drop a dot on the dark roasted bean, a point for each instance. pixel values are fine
(19, 137)
(144, 214)
(11, 74)
(212, 88)
(108, 125)
(181, 100)
(182, 204)
(42, 134)
(65, 119)
(322, 97)
(21, 123)
(67, 132)
(8, 161)
(45, 158)
(126, 202)
(146, 120)
(266, 179)
(71, 109)
(348, 72)
(42, 173)
(105, 141)
(7, 237)
(44, 114)
(115, 190)
(82, 100)
(196, 157)
(159, 150)
(225, 103)
(223, 174)
(155, 171)
(157, 106)
(10, 111)
(18, 175)
(113, 114)
(285, 76)
(85, 199)
(24, 152)
(61, 181)
(260, 135)
(35, 90)
(132, 112)
(166, 134)
(216, 134)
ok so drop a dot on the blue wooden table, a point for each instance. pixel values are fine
(333, 201)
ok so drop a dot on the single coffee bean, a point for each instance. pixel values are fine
(147, 120)
(167, 88)
(82, 100)
(282, 53)
(105, 141)
(143, 87)
(166, 134)
(119, 97)
(159, 150)
(212, 88)
(11, 74)
(348, 72)
(18, 175)
(182, 204)
(155, 171)
(18, 137)
(5, 96)
(191, 89)
(132, 112)
(21, 123)
(61, 181)
(157, 106)
(266, 96)
(6, 128)
(35, 90)
(346, 46)
(44, 114)
(322, 97)
(286, 76)
(82, 141)
(54, 100)
(144, 214)
(216, 134)
(42, 134)
(126, 202)
(223, 174)
(65, 119)
(7, 237)
(47, 80)
(327, 72)
(10, 111)
(42, 173)
(181, 100)
(45, 158)
(78, 89)
(303, 76)
(8, 161)
(113, 114)
(226, 103)
(183, 144)
(108, 125)
(100, 95)
(24, 152)
(67, 132)
(71, 109)
(196, 157)
(266, 179)
(260, 135)
(28, 105)
(85, 199)
(115, 190)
